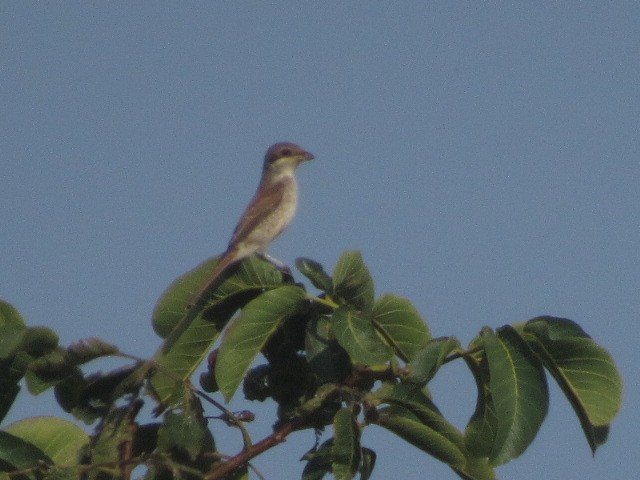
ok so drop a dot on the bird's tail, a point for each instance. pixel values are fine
(227, 259)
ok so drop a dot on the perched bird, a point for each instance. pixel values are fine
(270, 211)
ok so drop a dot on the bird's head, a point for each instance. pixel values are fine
(285, 157)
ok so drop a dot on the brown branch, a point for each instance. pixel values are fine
(253, 451)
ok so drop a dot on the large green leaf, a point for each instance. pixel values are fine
(584, 370)
(38, 441)
(190, 333)
(9, 315)
(18, 454)
(519, 392)
(401, 324)
(481, 429)
(59, 439)
(411, 397)
(409, 427)
(180, 355)
(260, 318)
(352, 282)
(246, 279)
(430, 358)
(345, 452)
(355, 333)
(435, 435)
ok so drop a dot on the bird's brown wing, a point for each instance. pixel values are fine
(263, 203)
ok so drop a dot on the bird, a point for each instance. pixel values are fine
(269, 212)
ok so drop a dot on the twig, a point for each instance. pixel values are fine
(253, 451)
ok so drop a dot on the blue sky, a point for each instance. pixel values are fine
(485, 159)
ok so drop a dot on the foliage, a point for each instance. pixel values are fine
(339, 360)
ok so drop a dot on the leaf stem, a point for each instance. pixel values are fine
(323, 301)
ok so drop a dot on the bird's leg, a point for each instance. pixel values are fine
(280, 265)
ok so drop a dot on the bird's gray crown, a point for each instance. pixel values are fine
(285, 149)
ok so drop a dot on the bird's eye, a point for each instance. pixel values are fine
(286, 152)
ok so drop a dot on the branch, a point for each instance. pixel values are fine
(276, 438)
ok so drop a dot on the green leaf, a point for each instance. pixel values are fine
(185, 431)
(476, 469)
(39, 341)
(352, 283)
(367, 464)
(89, 349)
(315, 273)
(403, 391)
(318, 462)
(190, 333)
(59, 439)
(10, 340)
(9, 390)
(18, 454)
(345, 452)
(182, 432)
(12, 370)
(401, 324)
(430, 358)
(357, 336)
(179, 357)
(35, 341)
(584, 370)
(411, 398)
(323, 401)
(519, 393)
(326, 358)
(12, 332)
(246, 280)
(480, 432)
(243, 340)
(9, 316)
(171, 307)
(114, 431)
(91, 398)
(408, 426)
(47, 371)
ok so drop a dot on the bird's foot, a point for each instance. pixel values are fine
(280, 265)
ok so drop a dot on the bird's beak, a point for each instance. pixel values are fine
(306, 156)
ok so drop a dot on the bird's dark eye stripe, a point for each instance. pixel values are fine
(286, 152)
